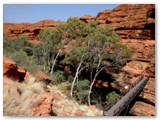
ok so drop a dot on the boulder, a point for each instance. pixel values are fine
(11, 70)
(41, 76)
(143, 109)
(44, 108)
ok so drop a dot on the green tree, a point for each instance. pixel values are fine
(51, 42)
(76, 58)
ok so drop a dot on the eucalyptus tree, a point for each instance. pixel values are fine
(51, 43)
(100, 42)
(76, 58)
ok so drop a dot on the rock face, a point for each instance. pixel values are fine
(143, 109)
(10, 69)
(140, 49)
(30, 29)
(131, 21)
(87, 18)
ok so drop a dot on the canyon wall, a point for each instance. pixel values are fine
(32, 30)
(131, 21)
(135, 25)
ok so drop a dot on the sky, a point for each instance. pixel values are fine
(16, 13)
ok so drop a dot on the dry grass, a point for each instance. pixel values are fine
(17, 97)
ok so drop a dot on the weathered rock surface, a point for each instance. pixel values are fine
(30, 29)
(87, 18)
(148, 92)
(143, 109)
(41, 76)
(10, 69)
(44, 108)
(140, 49)
(134, 70)
(131, 21)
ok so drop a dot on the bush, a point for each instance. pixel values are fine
(82, 96)
(28, 51)
(11, 45)
(82, 87)
(58, 77)
(21, 58)
(111, 97)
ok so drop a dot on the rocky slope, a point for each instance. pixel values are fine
(135, 25)
(34, 97)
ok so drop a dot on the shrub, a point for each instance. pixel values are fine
(82, 96)
(11, 45)
(111, 97)
(82, 87)
(58, 77)
(28, 51)
(21, 58)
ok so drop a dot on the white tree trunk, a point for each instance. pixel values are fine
(75, 77)
(91, 86)
(95, 76)
(71, 92)
(54, 62)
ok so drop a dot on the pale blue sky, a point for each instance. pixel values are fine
(37, 12)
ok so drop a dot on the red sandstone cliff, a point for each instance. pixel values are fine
(131, 21)
(30, 29)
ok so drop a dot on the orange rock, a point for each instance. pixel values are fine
(129, 20)
(140, 49)
(41, 76)
(143, 109)
(10, 69)
(131, 71)
(57, 96)
(87, 18)
(100, 83)
(12, 30)
(148, 92)
(133, 80)
(44, 107)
